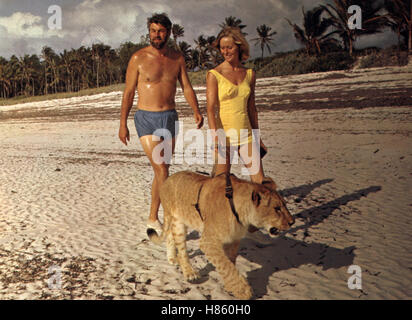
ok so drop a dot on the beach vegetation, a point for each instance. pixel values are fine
(373, 20)
(316, 32)
(326, 37)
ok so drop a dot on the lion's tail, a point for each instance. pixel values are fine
(154, 237)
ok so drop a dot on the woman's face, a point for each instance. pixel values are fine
(229, 49)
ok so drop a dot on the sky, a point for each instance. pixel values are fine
(28, 25)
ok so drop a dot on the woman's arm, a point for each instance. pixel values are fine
(251, 108)
(212, 101)
(252, 112)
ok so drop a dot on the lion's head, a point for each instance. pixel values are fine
(270, 211)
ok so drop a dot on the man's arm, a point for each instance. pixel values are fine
(128, 96)
(189, 93)
(211, 103)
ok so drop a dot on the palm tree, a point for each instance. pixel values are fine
(372, 21)
(99, 51)
(214, 55)
(66, 68)
(50, 67)
(85, 61)
(233, 22)
(34, 72)
(109, 60)
(314, 33)
(194, 59)
(265, 37)
(5, 75)
(203, 50)
(177, 31)
(14, 66)
(21, 72)
(125, 52)
(399, 18)
(26, 71)
(76, 68)
(410, 28)
(184, 48)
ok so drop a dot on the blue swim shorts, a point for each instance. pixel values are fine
(159, 123)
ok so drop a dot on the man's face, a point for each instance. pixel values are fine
(158, 35)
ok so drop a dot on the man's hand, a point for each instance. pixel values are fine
(124, 135)
(198, 120)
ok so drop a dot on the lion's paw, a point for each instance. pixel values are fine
(173, 261)
(241, 290)
(245, 294)
(191, 275)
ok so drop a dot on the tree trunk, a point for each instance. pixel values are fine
(319, 51)
(410, 30)
(410, 36)
(45, 80)
(55, 82)
(98, 62)
(399, 46)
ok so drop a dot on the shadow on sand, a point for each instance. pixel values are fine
(285, 253)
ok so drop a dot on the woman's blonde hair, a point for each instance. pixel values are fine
(238, 37)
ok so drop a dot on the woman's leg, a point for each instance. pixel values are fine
(222, 161)
(250, 156)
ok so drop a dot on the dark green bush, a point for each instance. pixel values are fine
(383, 58)
(299, 62)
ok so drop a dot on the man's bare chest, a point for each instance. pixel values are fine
(159, 71)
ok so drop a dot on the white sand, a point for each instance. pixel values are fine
(73, 197)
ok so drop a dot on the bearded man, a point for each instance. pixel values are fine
(154, 71)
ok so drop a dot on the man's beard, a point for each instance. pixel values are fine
(158, 45)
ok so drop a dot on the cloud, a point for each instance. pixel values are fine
(103, 21)
(85, 22)
(23, 24)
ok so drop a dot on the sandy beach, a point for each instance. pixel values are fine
(74, 200)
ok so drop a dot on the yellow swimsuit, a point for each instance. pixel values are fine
(233, 113)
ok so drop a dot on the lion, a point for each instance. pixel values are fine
(197, 201)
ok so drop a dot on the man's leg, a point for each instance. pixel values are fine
(160, 168)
